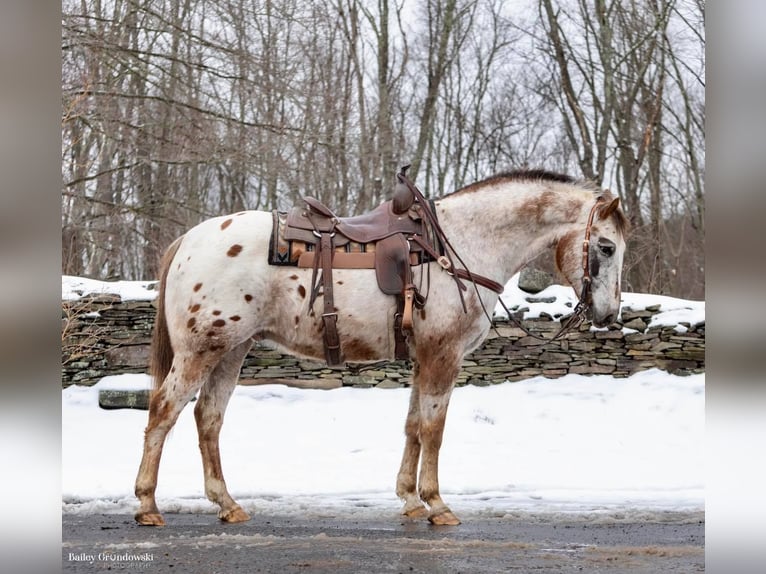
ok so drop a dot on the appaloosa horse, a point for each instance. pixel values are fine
(218, 294)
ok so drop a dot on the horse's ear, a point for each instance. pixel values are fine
(605, 212)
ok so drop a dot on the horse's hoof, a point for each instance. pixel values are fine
(445, 518)
(236, 514)
(150, 519)
(419, 511)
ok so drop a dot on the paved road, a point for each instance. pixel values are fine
(199, 544)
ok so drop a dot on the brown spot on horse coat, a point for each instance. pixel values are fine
(294, 277)
(234, 318)
(197, 287)
(190, 323)
(536, 209)
(234, 250)
(566, 254)
(302, 291)
(219, 323)
(248, 298)
(216, 312)
(194, 308)
(226, 224)
(356, 350)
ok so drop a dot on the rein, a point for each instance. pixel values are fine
(578, 315)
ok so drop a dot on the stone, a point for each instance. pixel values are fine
(130, 355)
(123, 399)
(313, 383)
(609, 335)
(534, 280)
(388, 384)
(359, 381)
(636, 324)
(549, 357)
(592, 369)
(628, 313)
(664, 346)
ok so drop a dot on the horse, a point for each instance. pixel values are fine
(218, 294)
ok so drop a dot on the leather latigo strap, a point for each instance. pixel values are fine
(330, 316)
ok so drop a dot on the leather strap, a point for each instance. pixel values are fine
(461, 273)
(401, 348)
(409, 299)
(343, 260)
(329, 316)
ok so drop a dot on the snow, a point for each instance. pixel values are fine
(73, 288)
(672, 311)
(575, 445)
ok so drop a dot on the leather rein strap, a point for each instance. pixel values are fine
(446, 260)
(585, 300)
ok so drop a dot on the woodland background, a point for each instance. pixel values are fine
(174, 111)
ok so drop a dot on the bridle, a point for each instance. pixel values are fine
(585, 300)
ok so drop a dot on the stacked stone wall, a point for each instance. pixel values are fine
(104, 335)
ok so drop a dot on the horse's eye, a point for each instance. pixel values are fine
(607, 250)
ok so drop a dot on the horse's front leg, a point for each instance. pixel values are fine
(437, 375)
(406, 481)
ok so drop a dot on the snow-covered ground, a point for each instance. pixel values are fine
(574, 444)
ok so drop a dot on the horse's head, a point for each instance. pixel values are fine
(604, 239)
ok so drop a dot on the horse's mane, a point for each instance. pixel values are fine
(620, 219)
(528, 175)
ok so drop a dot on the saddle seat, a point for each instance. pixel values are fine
(370, 227)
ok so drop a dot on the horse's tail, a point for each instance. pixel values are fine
(161, 358)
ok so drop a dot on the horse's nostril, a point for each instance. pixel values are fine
(609, 319)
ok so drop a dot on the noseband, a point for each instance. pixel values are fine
(585, 294)
(585, 300)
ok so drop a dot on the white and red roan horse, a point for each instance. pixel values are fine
(218, 294)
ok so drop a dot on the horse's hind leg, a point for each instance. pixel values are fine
(406, 481)
(208, 413)
(186, 376)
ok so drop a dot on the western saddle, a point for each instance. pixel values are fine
(392, 238)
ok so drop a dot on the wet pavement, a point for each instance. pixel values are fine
(199, 543)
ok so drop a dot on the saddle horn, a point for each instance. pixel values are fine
(403, 197)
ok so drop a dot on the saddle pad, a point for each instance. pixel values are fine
(281, 251)
(288, 252)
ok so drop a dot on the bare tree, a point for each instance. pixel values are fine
(176, 110)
